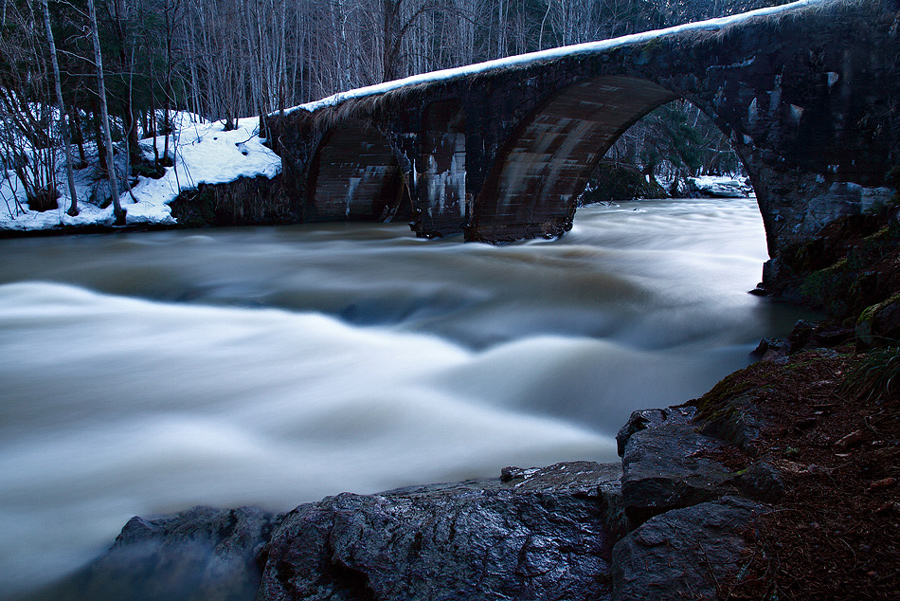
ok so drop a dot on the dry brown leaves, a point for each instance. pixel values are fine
(836, 534)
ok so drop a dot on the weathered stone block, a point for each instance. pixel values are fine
(535, 534)
(691, 553)
(668, 464)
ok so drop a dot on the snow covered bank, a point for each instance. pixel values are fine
(719, 186)
(203, 153)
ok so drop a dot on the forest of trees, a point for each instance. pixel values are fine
(228, 59)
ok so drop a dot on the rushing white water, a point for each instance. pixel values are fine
(147, 373)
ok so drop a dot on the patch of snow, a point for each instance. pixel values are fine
(551, 53)
(204, 153)
(720, 186)
(873, 198)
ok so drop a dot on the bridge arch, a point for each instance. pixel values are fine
(806, 93)
(547, 161)
(355, 176)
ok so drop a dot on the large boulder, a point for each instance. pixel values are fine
(202, 554)
(879, 324)
(689, 553)
(671, 458)
(668, 464)
(537, 533)
(534, 534)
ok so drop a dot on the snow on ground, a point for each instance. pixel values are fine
(719, 186)
(204, 153)
(551, 53)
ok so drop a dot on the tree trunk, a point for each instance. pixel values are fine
(104, 117)
(63, 121)
(391, 44)
(129, 117)
(78, 134)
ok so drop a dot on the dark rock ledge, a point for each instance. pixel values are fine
(666, 524)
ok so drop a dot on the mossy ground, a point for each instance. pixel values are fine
(831, 427)
(853, 264)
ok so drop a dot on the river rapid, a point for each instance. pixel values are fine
(149, 372)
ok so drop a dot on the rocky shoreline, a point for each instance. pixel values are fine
(767, 486)
(665, 523)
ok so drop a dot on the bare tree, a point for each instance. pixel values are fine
(63, 117)
(26, 108)
(104, 116)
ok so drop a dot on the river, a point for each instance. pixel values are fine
(149, 372)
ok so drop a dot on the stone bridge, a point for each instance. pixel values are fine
(808, 94)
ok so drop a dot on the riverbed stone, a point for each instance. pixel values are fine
(668, 464)
(688, 553)
(203, 554)
(534, 534)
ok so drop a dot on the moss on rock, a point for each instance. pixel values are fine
(880, 323)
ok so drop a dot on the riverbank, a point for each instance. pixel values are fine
(811, 431)
(200, 153)
(830, 429)
(828, 399)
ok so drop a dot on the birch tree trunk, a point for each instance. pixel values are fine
(104, 117)
(63, 119)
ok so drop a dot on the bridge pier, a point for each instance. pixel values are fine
(796, 204)
(442, 202)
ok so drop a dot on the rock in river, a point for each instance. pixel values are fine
(535, 534)
(531, 534)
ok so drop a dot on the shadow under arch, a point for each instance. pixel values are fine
(355, 176)
(532, 188)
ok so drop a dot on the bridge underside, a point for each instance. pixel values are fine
(535, 184)
(356, 177)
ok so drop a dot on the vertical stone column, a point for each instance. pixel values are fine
(440, 171)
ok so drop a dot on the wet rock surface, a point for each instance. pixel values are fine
(691, 495)
(670, 522)
(689, 553)
(537, 533)
(533, 534)
(668, 464)
(202, 553)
